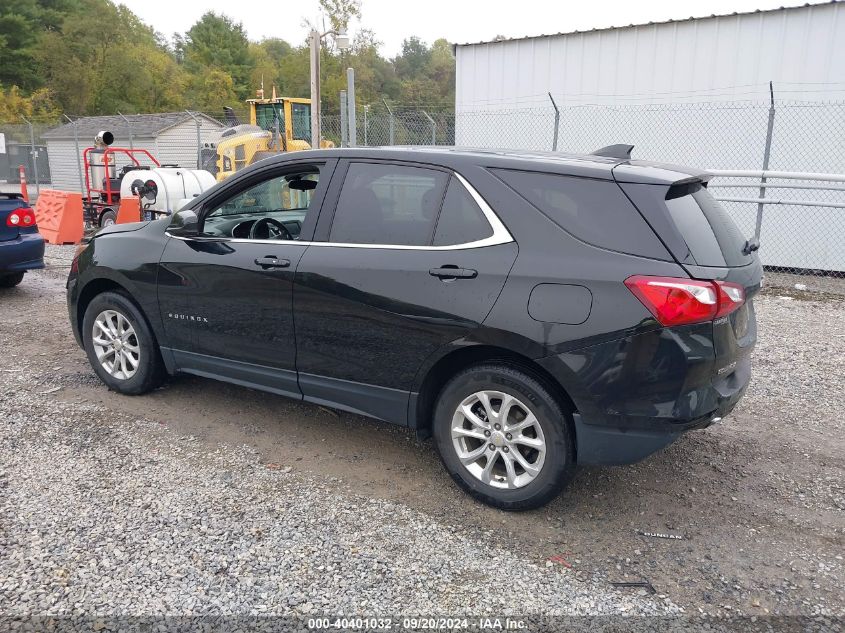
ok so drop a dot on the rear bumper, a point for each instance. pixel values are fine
(638, 394)
(25, 252)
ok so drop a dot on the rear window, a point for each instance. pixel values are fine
(594, 211)
(712, 236)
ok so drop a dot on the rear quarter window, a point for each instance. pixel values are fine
(594, 211)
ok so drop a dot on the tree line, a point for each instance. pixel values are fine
(88, 57)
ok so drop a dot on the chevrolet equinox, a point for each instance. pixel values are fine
(531, 311)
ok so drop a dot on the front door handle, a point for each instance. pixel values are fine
(453, 272)
(271, 261)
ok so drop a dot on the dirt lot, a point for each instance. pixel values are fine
(755, 506)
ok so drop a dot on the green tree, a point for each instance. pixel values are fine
(21, 24)
(217, 42)
(104, 59)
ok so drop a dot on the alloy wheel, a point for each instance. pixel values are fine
(116, 344)
(498, 439)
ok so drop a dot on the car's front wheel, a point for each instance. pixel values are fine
(120, 345)
(10, 280)
(503, 437)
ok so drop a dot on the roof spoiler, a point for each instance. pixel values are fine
(620, 150)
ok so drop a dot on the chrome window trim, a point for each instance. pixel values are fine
(501, 235)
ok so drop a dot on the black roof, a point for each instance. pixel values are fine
(143, 125)
(585, 165)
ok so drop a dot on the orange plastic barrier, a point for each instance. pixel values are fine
(59, 216)
(129, 210)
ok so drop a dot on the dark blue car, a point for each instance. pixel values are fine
(21, 245)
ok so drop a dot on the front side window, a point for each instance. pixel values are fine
(273, 209)
(388, 204)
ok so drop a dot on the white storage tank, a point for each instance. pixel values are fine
(162, 189)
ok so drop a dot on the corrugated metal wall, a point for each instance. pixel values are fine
(63, 170)
(724, 58)
(178, 145)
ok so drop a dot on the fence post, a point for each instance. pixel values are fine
(392, 125)
(78, 155)
(766, 154)
(344, 123)
(366, 125)
(350, 107)
(128, 129)
(433, 128)
(557, 122)
(199, 139)
(34, 157)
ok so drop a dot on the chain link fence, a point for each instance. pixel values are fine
(801, 221)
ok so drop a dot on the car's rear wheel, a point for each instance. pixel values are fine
(503, 437)
(120, 345)
(10, 280)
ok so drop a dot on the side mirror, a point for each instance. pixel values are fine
(184, 223)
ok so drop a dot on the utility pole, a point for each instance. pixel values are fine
(315, 38)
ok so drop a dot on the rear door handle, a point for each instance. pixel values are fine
(453, 272)
(271, 261)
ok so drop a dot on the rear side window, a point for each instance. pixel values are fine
(712, 236)
(594, 211)
(461, 220)
(388, 204)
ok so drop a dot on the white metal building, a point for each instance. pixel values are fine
(171, 137)
(717, 58)
(692, 91)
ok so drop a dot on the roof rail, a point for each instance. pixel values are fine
(615, 151)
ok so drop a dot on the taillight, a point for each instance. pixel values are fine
(675, 301)
(23, 217)
(731, 297)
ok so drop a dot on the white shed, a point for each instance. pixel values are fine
(171, 137)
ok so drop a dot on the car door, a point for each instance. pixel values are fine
(225, 297)
(410, 259)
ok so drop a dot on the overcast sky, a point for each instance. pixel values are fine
(457, 20)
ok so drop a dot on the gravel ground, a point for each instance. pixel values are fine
(209, 498)
(105, 513)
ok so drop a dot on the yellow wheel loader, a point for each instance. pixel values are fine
(277, 124)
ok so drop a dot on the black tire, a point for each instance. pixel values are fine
(10, 280)
(108, 217)
(150, 371)
(554, 420)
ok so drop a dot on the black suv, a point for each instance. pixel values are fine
(531, 311)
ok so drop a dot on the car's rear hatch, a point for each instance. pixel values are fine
(707, 243)
(9, 202)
